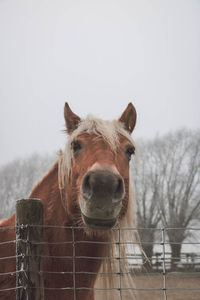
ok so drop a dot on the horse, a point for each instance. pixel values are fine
(88, 196)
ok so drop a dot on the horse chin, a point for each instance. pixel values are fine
(99, 224)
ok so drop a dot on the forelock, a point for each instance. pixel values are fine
(108, 130)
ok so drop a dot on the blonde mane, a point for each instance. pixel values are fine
(109, 281)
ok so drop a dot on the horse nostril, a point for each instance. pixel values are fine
(86, 187)
(119, 192)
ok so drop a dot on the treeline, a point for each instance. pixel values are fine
(18, 178)
(166, 173)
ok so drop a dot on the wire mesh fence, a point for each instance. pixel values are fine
(165, 275)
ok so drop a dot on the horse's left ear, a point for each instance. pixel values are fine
(128, 118)
(71, 119)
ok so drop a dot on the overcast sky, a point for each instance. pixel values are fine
(98, 56)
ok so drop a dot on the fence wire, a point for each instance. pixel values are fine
(161, 265)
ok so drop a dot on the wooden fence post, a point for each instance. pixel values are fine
(29, 249)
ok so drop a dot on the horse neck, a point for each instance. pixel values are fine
(47, 190)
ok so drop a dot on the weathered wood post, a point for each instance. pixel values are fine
(29, 249)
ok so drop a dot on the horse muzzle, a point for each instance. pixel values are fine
(102, 191)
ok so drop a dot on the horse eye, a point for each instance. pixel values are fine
(76, 146)
(130, 150)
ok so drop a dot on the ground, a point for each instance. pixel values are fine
(178, 281)
(155, 281)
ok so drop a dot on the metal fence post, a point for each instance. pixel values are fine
(29, 249)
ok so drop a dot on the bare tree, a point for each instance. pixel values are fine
(178, 158)
(167, 180)
(146, 178)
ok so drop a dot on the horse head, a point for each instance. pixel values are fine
(94, 168)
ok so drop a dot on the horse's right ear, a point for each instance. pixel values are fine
(71, 119)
